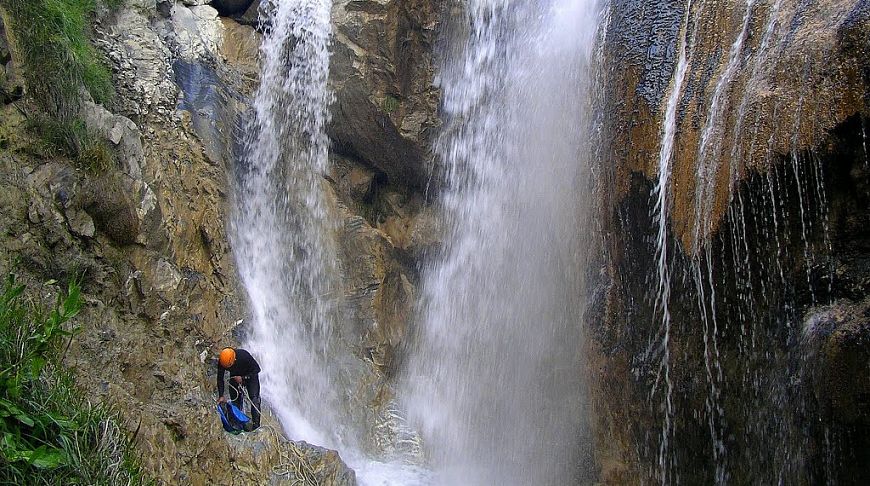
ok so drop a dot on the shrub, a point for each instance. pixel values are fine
(49, 434)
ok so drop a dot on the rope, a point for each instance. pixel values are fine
(239, 389)
(301, 471)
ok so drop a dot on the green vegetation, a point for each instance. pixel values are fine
(49, 434)
(391, 104)
(70, 139)
(51, 38)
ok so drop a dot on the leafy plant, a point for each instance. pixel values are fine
(48, 433)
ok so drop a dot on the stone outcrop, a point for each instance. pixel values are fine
(382, 71)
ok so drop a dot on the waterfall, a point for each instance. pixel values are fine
(494, 379)
(280, 228)
(661, 206)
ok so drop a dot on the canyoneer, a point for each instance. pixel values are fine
(244, 372)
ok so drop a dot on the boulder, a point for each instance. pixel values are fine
(231, 7)
(309, 464)
(837, 338)
(120, 131)
(107, 199)
(361, 129)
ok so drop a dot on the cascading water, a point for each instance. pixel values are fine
(661, 206)
(281, 230)
(494, 381)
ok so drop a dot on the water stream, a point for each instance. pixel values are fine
(281, 227)
(661, 207)
(493, 382)
(502, 319)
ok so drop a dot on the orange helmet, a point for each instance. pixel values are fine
(227, 358)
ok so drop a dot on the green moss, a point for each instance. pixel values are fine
(49, 433)
(391, 104)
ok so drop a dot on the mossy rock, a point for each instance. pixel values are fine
(107, 200)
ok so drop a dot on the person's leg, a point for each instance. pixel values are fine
(253, 386)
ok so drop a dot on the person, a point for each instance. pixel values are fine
(244, 371)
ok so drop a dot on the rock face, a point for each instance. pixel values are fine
(793, 72)
(766, 209)
(147, 238)
(382, 70)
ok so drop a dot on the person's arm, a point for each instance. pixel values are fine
(220, 381)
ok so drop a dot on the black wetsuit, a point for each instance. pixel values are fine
(246, 367)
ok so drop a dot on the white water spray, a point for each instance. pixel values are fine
(494, 382)
(281, 230)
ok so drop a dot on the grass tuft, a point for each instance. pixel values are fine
(70, 139)
(51, 37)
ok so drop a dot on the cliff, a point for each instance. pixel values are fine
(763, 235)
(718, 258)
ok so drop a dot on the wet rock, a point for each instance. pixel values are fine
(775, 92)
(381, 72)
(357, 184)
(360, 129)
(231, 7)
(240, 48)
(838, 341)
(394, 308)
(426, 233)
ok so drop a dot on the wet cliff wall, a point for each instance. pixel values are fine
(728, 375)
